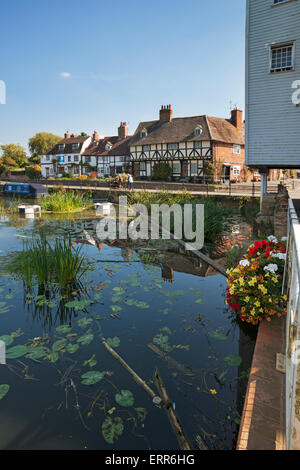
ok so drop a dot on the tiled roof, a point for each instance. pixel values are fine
(68, 146)
(183, 130)
(119, 147)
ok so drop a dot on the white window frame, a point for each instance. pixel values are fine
(281, 46)
(236, 170)
(236, 149)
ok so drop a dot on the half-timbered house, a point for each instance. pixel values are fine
(189, 144)
(110, 155)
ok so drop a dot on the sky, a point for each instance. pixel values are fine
(81, 65)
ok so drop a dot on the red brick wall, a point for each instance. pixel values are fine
(223, 153)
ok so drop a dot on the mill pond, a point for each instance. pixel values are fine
(157, 307)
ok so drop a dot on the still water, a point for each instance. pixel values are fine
(134, 298)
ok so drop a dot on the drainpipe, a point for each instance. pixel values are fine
(264, 183)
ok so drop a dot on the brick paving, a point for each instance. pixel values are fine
(263, 420)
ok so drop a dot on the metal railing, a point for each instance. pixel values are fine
(292, 285)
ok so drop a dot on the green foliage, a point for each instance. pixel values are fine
(4, 389)
(233, 360)
(112, 429)
(40, 143)
(57, 263)
(65, 201)
(13, 156)
(124, 398)
(162, 171)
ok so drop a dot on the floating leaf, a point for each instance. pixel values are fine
(116, 308)
(87, 338)
(92, 377)
(37, 352)
(218, 335)
(59, 345)
(72, 348)
(112, 429)
(53, 356)
(16, 352)
(78, 305)
(113, 342)
(8, 340)
(4, 389)
(84, 322)
(124, 398)
(233, 360)
(63, 329)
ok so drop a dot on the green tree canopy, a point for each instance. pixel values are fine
(40, 143)
(13, 155)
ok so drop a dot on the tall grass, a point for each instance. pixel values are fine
(46, 263)
(216, 215)
(68, 201)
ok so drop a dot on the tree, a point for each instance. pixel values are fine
(40, 143)
(83, 134)
(13, 155)
(209, 170)
(162, 171)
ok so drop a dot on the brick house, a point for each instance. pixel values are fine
(188, 144)
(110, 155)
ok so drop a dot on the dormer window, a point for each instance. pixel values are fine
(198, 131)
(108, 146)
(75, 146)
(144, 133)
(61, 147)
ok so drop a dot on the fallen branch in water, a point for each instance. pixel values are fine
(138, 379)
(183, 442)
(172, 362)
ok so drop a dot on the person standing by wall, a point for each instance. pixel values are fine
(130, 181)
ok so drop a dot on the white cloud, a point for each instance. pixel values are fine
(65, 75)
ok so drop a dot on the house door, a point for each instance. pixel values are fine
(227, 174)
(47, 172)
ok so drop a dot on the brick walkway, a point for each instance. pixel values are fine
(263, 420)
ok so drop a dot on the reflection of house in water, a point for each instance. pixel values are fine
(173, 257)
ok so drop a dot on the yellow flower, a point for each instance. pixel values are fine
(247, 299)
(232, 290)
(284, 297)
(274, 279)
(252, 281)
(253, 311)
(257, 303)
(263, 289)
(213, 391)
(241, 281)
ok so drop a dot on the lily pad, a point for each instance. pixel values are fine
(78, 305)
(16, 352)
(4, 389)
(37, 352)
(92, 377)
(112, 429)
(72, 348)
(113, 342)
(87, 338)
(124, 398)
(59, 345)
(116, 308)
(8, 340)
(218, 335)
(84, 322)
(233, 360)
(63, 329)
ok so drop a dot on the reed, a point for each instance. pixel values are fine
(68, 201)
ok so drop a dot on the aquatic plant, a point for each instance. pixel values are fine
(254, 289)
(67, 201)
(59, 263)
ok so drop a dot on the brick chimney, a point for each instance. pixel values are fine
(237, 118)
(123, 130)
(165, 114)
(67, 135)
(95, 136)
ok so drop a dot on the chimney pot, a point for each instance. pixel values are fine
(123, 131)
(165, 114)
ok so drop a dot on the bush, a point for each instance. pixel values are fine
(82, 177)
(65, 201)
(254, 289)
(162, 171)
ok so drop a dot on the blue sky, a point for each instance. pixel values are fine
(81, 65)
